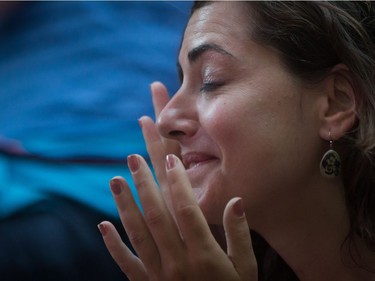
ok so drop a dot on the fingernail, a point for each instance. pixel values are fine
(102, 229)
(115, 186)
(238, 208)
(170, 161)
(133, 163)
(140, 122)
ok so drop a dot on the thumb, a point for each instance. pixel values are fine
(240, 249)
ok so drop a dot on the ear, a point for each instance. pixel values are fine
(339, 114)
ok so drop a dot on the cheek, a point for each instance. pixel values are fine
(241, 130)
(254, 137)
(241, 136)
(224, 126)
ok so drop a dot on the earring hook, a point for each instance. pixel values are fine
(330, 139)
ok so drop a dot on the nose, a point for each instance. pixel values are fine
(179, 119)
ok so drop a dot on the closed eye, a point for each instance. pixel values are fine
(210, 86)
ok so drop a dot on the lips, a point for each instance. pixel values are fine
(193, 160)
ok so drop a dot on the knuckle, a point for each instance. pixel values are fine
(173, 270)
(125, 269)
(202, 259)
(140, 183)
(153, 216)
(137, 238)
(186, 211)
(204, 263)
(243, 235)
(240, 231)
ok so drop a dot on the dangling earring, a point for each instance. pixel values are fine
(330, 164)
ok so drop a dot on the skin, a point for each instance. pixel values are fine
(248, 133)
(265, 138)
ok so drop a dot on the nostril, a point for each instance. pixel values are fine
(176, 133)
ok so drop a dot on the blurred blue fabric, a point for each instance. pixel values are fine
(74, 79)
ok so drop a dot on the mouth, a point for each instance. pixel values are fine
(201, 169)
(194, 160)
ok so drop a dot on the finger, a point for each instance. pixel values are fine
(238, 238)
(160, 97)
(156, 215)
(192, 224)
(156, 151)
(125, 259)
(155, 148)
(134, 224)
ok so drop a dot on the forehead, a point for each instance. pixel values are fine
(221, 23)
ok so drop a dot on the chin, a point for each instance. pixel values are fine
(209, 207)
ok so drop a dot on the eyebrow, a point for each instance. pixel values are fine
(198, 51)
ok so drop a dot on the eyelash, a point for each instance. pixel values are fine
(210, 86)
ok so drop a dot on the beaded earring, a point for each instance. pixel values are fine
(330, 164)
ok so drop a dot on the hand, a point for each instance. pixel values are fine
(168, 251)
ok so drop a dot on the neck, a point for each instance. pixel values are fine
(309, 233)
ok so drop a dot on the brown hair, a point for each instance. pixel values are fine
(311, 38)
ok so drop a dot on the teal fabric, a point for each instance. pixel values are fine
(74, 80)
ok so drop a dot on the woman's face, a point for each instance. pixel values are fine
(246, 126)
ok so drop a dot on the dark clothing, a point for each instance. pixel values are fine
(56, 240)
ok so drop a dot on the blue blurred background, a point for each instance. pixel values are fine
(74, 79)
